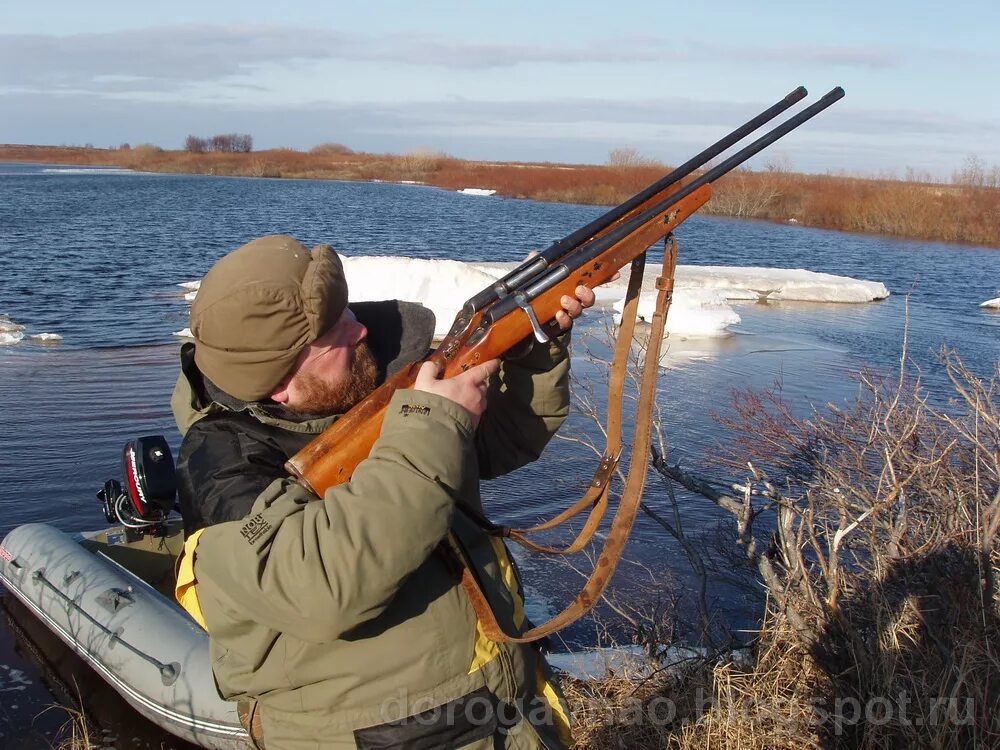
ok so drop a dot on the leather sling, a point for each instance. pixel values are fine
(597, 495)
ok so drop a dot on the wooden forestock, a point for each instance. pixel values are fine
(331, 458)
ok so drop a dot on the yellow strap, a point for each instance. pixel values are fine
(560, 715)
(485, 649)
(185, 590)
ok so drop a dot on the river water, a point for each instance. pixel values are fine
(96, 256)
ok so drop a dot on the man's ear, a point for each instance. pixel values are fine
(280, 393)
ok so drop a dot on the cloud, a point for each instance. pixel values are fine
(820, 55)
(174, 58)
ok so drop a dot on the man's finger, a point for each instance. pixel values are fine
(585, 295)
(572, 306)
(481, 372)
(429, 371)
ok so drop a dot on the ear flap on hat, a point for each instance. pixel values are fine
(324, 290)
(258, 306)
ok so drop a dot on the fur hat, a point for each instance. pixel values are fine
(259, 306)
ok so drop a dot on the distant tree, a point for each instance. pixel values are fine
(222, 142)
(195, 145)
(230, 143)
(243, 143)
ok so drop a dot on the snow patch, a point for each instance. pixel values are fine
(477, 191)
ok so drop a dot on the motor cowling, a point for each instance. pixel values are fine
(148, 471)
(150, 486)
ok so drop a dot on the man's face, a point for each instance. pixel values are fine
(333, 373)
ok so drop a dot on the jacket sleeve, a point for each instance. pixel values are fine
(325, 566)
(527, 402)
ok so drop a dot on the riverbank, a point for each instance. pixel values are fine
(913, 209)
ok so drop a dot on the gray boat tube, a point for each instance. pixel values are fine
(142, 643)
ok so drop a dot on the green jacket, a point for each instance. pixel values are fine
(344, 616)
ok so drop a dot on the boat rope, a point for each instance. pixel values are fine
(168, 672)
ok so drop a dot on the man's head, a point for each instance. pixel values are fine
(271, 321)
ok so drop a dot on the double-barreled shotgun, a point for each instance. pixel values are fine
(498, 318)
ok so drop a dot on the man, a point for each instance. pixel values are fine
(340, 622)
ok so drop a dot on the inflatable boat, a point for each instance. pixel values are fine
(109, 596)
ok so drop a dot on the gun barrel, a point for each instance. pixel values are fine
(834, 95)
(560, 247)
(535, 266)
(590, 250)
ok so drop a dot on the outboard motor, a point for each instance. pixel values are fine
(150, 486)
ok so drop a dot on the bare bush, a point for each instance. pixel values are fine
(872, 530)
(745, 194)
(422, 161)
(630, 157)
(331, 149)
(977, 173)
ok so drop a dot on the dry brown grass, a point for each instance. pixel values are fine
(968, 214)
(77, 733)
(949, 213)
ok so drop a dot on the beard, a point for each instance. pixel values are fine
(320, 398)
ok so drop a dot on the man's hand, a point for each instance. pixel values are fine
(467, 389)
(573, 307)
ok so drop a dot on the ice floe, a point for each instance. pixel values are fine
(46, 338)
(477, 191)
(598, 663)
(10, 332)
(13, 333)
(765, 284)
(993, 304)
(441, 285)
(693, 312)
(701, 299)
(88, 170)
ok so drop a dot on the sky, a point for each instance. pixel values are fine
(513, 81)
